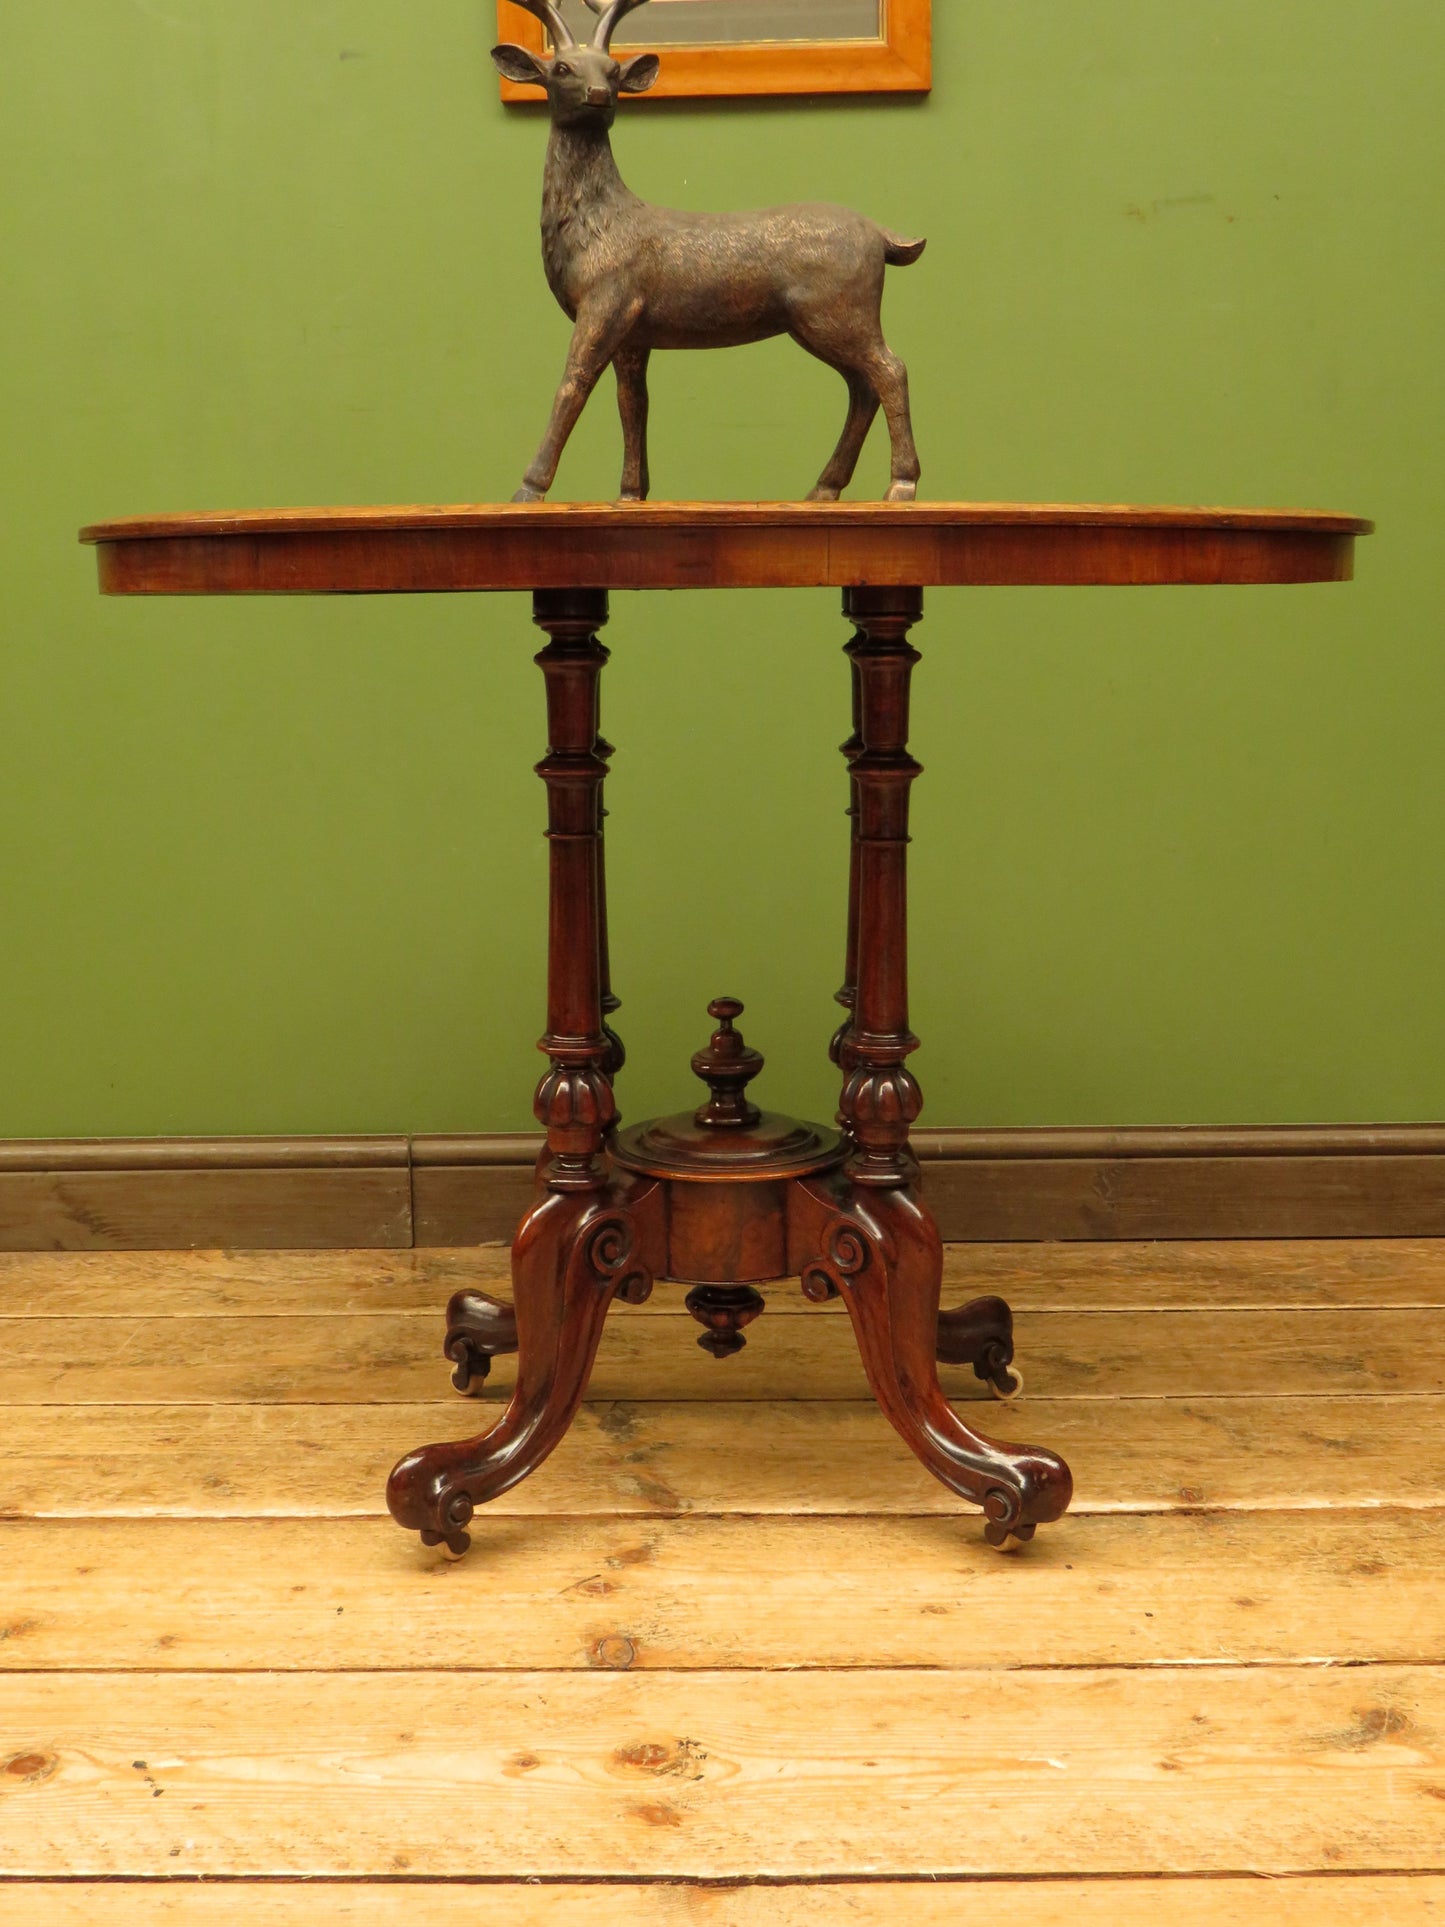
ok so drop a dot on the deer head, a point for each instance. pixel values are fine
(582, 83)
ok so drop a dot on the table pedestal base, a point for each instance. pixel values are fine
(878, 1250)
(728, 1197)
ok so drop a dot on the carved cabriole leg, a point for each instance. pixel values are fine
(591, 1236)
(871, 1238)
(575, 1253)
(879, 1250)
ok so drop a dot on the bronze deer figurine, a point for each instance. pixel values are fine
(634, 277)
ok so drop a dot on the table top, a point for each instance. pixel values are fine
(705, 545)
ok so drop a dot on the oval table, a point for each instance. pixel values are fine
(724, 1197)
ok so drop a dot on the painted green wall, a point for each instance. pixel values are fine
(277, 866)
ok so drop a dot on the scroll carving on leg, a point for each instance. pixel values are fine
(573, 1256)
(880, 1252)
(870, 1237)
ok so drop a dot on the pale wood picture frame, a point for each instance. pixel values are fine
(899, 61)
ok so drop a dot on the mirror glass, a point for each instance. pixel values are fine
(682, 23)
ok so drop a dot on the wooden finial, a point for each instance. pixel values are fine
(727, 1067)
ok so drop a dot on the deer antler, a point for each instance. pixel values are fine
(612, 17)
(550, 16)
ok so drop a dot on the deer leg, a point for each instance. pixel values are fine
(890, 377)
(631, 369)
(862, 407)
(595, 340)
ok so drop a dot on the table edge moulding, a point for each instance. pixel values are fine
(724, 1197)
(744, 545)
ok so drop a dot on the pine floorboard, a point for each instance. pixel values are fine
(806, 1774)
(391, 1358)
(1237, 1274)
(1410, 1901)
(730, 1657)
(647, 1458)
(1207, 1588)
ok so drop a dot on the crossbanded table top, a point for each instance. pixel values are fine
(680, 545)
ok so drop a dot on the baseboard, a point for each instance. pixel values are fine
(242, 1194)
(1306, 1181)
(467, 1190)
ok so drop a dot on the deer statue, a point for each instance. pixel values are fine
(634, 277)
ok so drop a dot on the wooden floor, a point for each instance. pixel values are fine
(730, 1658)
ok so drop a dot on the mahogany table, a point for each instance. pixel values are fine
(726, 1197)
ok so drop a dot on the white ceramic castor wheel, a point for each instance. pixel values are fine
(1005, 1539)
(1015, 1389)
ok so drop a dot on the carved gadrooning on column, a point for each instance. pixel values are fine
(574, 1102)
(881, 1099)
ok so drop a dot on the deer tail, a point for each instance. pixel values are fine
(899, 253)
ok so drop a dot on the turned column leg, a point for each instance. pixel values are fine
(852, 750)
(616, 1051)
(479, 1327)
(881, 1098)
(590, 1236)
(574, 1100)
(876, 1244)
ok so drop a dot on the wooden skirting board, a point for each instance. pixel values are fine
(1305, 1181)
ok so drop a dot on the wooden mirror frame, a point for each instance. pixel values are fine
(900, 63)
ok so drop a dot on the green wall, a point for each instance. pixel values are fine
(278, 866)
